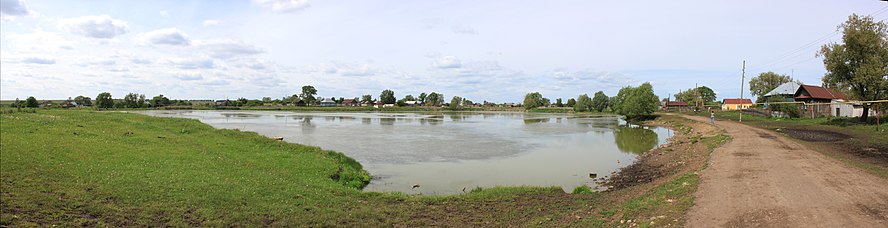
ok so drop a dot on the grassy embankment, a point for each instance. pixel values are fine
(861, 145)
(76, 167)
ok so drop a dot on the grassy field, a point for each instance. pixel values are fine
(87, 168)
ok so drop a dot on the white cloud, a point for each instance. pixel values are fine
(39, 41)
(10, 9)
(464, 30)
(192, 63)
(189, 76)
(210, 23)
(102, 26)
(447, 62)
(164, 13)
(140, 61)
(38, 60)
(343, 69)
(167, 36)
(284, 6)
(224, 49)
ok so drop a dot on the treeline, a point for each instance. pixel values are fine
(632, 102)
(308, 96)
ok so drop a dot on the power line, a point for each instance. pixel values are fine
(794, 53)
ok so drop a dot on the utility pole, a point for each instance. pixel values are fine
(742, 81)
(697, 101)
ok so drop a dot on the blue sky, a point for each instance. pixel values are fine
(481, 50)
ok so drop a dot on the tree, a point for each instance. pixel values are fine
(31, 102)
(131, 100)
(636, 102)
(367, 99)
(434, 99)
(455, 102)
(584, 104)
(308, 93)
(104, 100)
(860, 64)
(160, 101)
(599, 101)
(409, 98)
(141, 101)
(533, 100)
(387, 97)
(703, 93)
(422, 97)
(571, 102)
(558, 103)
(82, 100)
(764, 83)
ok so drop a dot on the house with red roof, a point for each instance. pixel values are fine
(736, 103)
(820, 101)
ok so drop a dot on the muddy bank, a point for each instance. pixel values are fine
(688, 149)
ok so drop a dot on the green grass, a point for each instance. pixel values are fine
(88, 168)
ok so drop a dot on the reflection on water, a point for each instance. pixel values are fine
(635, 139)
(445, 153)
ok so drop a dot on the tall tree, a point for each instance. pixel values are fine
(131, 100)
(533, 100)
(599, 101)
(409, 98)
(434, 99)
(422, 97)
(31, 102)
(571, 102)
(636, 102)
(104, 100)
(584, 104)
(455, 103)
(764, 83)
(83, 100)
(160, 100)
(705, 94)
(308, 93)
(859, 64)
(558, 103)
(367, 99)
(387, 97)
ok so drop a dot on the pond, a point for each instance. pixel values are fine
(452, 152)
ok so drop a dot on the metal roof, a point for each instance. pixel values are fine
(788, 88)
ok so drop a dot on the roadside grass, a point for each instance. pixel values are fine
(88, 168)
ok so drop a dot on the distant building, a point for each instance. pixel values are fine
(349, 102)
(821, 101)
(411, 103)
(675, 105)
(736, 103)
(786, 91)
(327, 102)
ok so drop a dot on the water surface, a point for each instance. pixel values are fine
(446, 153)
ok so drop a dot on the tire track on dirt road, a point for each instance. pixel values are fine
(761, 179)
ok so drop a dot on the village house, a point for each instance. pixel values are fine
(349, 102)
(736, 103)
(821, 101)
(786, 91)
(674, 106)
(328, 102)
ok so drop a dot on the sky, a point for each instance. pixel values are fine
(493, 51)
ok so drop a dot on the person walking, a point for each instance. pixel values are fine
(711, 116)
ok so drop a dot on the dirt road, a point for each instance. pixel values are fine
(761, 179)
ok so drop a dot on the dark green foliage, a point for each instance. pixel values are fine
(533, 100)
(584, 104)
(858, 65)
(31, 102)
(387, 97)
(104, 100)
(636, 102)
(599, 101)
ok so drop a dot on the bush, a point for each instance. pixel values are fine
(583, 189)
